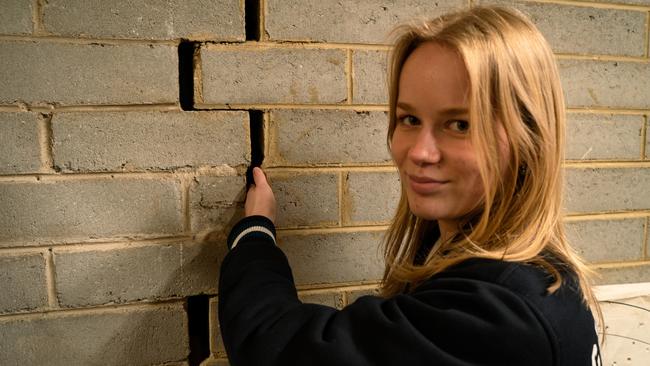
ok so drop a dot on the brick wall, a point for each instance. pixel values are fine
(126, 129)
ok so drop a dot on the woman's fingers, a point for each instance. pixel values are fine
(259, 198)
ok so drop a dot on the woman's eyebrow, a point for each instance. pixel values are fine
(404, 105)
(452, 111)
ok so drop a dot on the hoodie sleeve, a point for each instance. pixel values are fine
(453, 321)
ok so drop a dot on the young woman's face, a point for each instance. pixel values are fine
(431, 144)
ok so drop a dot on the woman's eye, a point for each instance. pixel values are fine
(408, 120)
(459, 126)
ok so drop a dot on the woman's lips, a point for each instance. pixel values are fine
(425, 185)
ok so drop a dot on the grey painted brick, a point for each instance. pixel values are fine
(22, 283)
(607, 240)
(308, 137)
(114, 141)
(595, 190)
(16, 17)
(597, 136)
(75, 210)
(331, 299)
(623, 274)
(586, 30)
(92, 277)
(372, 196)
(216, 341)
(62, 73)
(216, 203)
(305, 199)
(369, 70)
(353, 296)
(346, 21)
(617, 84)
(273, 76)
(144, 19)
(334, 257)
(128, 336)
(19, 145)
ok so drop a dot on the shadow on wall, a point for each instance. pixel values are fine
(160, 333)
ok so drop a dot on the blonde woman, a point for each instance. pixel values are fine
(478, 269)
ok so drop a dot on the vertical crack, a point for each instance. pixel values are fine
(186, 50)
(252, 20)
(257, 143)
(198, 319)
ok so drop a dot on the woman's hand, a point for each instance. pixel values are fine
(259, 198)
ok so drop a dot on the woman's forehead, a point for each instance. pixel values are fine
(435, 73)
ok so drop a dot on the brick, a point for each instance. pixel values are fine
(16, 17)
(623, 274)
(317, 137)
(607, 240)
(616, 84)
(372, 197)
(305, 199)
(345, 21)
(116, 141)
(334, 257)
(216, 204)
(647, 138)
(578, 29)
(607, 189)
(331, 299)
(215, 362)
(126, 274)
(273, 75)
(19, 145)
(635, 2)
(48, 212)
(221, 20)
(216, 341)
(120, 336)
(597, 136)
(22, 283)
(369, 71)
(199, 268)
(353, 296)
(53, 72)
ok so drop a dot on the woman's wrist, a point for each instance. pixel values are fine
(251, 227)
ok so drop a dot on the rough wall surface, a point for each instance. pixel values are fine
(114, 200)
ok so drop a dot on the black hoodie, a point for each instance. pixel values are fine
(479, 312)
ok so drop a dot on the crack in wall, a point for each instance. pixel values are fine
(257, 143)
(198, 307)
(252, 20)
(186, 50)
(198, 322)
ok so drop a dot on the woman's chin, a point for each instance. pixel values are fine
(425, 214)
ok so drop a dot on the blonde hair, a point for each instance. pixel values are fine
(514, 81)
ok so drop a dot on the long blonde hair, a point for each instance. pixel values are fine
(513, 80)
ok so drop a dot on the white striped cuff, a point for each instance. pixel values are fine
(249, 230)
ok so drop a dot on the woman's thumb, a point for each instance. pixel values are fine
(259, 177)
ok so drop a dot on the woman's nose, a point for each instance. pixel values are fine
(425, 149)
